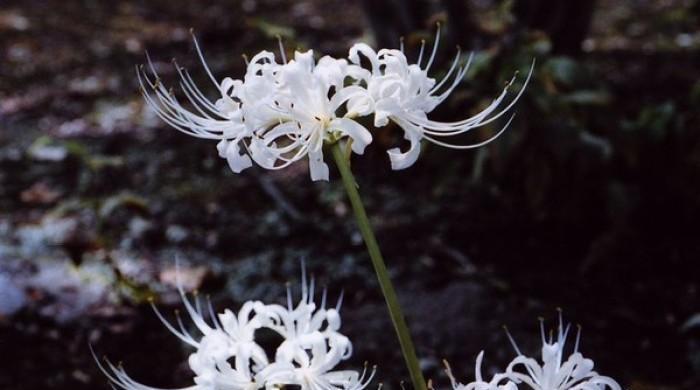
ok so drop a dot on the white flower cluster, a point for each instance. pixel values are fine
(281, 112)
(228, 357)
(576, 373)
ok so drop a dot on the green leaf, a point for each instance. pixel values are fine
(272, 30)
(563, 70)
(588, 98)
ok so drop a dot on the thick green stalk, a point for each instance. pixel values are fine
(397, 318)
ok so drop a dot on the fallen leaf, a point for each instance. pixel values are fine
(40, 193)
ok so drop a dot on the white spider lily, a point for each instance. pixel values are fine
(227, 356)
(576, 373)
(277, 115)
(480, 384)
(404, 94)
(281, 113)
(307, 115)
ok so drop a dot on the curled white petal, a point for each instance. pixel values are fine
(402, 160)
(360, 136)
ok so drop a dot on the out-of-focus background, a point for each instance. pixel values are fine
(590, 202)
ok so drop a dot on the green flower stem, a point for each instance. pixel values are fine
(397, 318)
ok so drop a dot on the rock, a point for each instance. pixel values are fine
(40, 193)
(12, 297)
(48, 153)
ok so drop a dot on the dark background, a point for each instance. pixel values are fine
(589, 203)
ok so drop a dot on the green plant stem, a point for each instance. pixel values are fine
(392, 302)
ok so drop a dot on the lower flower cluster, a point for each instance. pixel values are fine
(554, 373)
(227, 355)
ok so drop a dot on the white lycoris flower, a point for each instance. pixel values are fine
(227, 356)
(403, 93)
(279, 113)
(498, 382)
(576, 373)
(282, 112)
(307, 98)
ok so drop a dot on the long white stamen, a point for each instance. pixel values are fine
(476, 145)
(339, 304)
(182, 336)
(283, 53)
(455, 62)
(578, 338)
(435, 47)
(512, 341)
(420, 54)
(201, 58)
